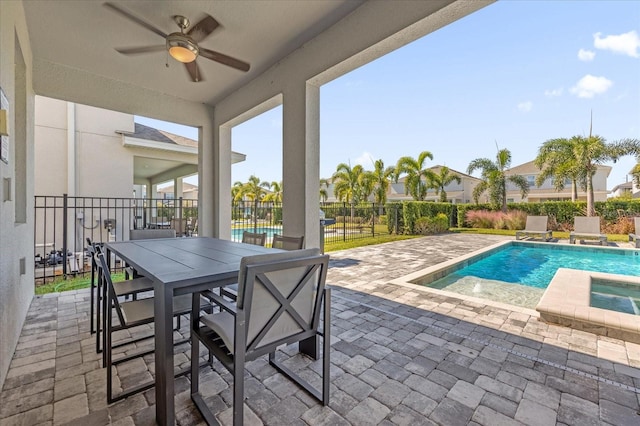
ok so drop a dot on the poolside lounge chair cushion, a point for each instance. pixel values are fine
(587, 228)
(535, 226)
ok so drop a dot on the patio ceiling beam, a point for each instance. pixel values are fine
(177, 172)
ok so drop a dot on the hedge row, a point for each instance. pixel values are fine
(402, 216)
(562, 211)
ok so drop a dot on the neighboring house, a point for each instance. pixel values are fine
(118, 155)
(83, 151)
(457, 193)
(622, 190)
(189, 192)
(547, 192)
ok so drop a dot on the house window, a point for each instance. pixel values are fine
(531, 180)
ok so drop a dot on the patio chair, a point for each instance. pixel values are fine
(131, 314)
(536, 226)
(146, 234)
(636, 237)
(287, 243)
(256, 239)
(125, 288)
(587, 228)
(280, 298)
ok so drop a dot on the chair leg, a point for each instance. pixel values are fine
(93, 286)
(326, 348)
(238, 391)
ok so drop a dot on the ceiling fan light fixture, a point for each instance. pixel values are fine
(182, 48)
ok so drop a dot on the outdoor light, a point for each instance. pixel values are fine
(182, 48)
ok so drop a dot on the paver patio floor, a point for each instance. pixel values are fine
(399, 356)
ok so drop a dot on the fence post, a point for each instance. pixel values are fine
(344, 221)
(373, 219)
(65, 204)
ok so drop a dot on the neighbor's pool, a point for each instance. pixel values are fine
(236, 233)
(519, 272)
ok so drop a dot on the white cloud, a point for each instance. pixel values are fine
(590, 85)
(625, 44)
(586, 55)
(525, 106)
(554, 92)
(365, 160)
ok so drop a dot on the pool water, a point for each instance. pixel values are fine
(236, 233)
(615, 297)
(518, 274)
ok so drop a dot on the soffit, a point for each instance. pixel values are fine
(83, 34)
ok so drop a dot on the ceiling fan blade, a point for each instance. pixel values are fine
(135, 19)
(194, 71)
(224, 59)
(141, 49)
(202, 29)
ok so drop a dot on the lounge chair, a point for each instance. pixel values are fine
(587, 228)
(636, 237)
(536, 226)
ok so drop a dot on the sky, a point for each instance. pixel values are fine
(511, 75)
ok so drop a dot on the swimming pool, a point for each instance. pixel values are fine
(518, 272)
(236, 233)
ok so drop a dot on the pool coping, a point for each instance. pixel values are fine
(567, 302)
(561, 310)
(451, 265)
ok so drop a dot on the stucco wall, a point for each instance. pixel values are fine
(16, 239)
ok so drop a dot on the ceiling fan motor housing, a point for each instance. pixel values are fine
(182, 47)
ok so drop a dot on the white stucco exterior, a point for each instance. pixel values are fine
(16, 190)
(336, 38)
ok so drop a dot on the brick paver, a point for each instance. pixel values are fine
(399, 356)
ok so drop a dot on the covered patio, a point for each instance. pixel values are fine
(399, 356)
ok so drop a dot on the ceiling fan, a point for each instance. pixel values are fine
(182, 46)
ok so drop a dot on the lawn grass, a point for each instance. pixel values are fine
(361, 242)
(74, 283)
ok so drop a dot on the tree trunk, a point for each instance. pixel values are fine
(574, 190)
(591, 211)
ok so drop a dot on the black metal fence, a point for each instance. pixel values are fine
(348, 222)
(63, 224)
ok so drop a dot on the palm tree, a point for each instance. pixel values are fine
(556, 160)
(347, 181)
(253, 190)
(442, 179)
(324, 185)
(382, 179)
(494, 179)
(275, 195)
(419, 179)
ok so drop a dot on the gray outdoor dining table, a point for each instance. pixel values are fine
(179, 266)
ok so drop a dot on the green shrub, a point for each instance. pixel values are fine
(382, 219)
(432, 225)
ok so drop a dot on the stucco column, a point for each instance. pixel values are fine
(301, 162)
(216, 177)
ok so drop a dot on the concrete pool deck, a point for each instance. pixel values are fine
(399, 356)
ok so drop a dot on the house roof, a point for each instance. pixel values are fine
(437, 168)
(149, 133)
(529, 168)
(626, 185)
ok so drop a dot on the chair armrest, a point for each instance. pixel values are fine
(220, 301)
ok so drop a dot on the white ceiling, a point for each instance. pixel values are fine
(83, 34)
